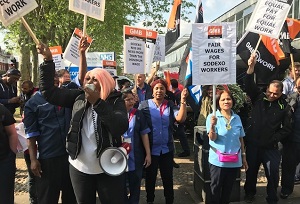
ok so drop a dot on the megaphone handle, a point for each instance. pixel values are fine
(114, 159)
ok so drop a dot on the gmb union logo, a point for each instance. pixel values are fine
(214, 32)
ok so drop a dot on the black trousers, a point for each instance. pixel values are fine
(55, 178)
(133, 179)
(180, 133)
(165, 164)
(222, 181)
(7, 178)
(31, 181)
(110, 189)
(290, 160)
(270, 158)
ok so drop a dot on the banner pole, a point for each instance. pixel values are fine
(29, 31)
(84, 24)
(260, 37)
(214, 100)
(293, 66)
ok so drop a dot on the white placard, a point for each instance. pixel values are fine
(72, 53)
(12, 10)
(134, 56)
(92, 8)
(139, 45)
(159, 51)
(214, 53)
(57, 57)
(268, 17)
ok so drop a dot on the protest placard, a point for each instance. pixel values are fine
(138, 49)
(151, 37)
(13, 10)
(110, 66)
(159, 51)
(268, 17)
(57, 57)
(72, 53)
(94, 9)
(214, 53)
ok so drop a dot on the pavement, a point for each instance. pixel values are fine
(183, 185)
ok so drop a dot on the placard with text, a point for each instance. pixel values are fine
(12, 10)
(72, 53)
(139, 45)
(214, 53)
(56, 52)
(159, 51)
(268, 17)
(94, 8)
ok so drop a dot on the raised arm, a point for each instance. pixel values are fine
(83, 46)
(250, 87)
(181, 116)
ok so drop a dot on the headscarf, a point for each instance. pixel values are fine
(159, 81)
(107, 83)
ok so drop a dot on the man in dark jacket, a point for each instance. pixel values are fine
(8, 89)
(270, 123)
(291, 147)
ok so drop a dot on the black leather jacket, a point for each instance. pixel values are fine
(112, 114)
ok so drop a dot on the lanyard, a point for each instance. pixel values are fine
(131, 114)
(163, 107)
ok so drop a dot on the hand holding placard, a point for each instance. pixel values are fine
(45, 51)
(251, 63)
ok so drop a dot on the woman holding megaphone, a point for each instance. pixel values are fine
(96, 110)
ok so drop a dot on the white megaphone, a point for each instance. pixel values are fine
(113, 160)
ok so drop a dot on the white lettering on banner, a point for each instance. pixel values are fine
(258, 57)
(135, 32)
(14, 7)
(284, 35)
(214, 30)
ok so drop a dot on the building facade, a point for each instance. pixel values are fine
(4, 61)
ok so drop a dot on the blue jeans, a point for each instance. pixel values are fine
(7, 178)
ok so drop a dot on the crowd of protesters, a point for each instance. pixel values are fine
(69, 124)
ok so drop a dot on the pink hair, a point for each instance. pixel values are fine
(107, 83)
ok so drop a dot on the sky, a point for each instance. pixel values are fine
(212, 9)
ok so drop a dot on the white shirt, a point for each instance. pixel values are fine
(87, 161)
